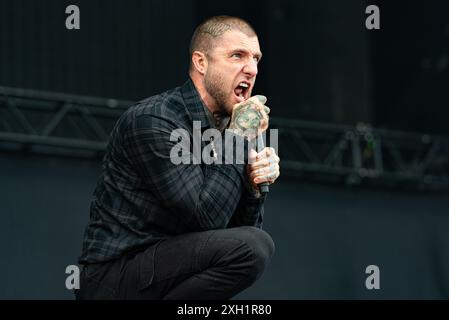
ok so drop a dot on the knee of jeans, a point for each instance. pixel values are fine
(262, 247)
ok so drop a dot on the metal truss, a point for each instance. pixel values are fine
(44, 122)
(56, 123)
(362, 154)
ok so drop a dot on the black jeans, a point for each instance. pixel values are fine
(214, 264)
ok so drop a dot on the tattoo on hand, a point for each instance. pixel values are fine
(246, 119)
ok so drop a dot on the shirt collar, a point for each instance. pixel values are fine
(199, 111)
(194, 104)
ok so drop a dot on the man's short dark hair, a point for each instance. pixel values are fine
(211, 28)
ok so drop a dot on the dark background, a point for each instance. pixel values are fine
(320, 63)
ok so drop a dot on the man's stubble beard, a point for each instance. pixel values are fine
(214, 85)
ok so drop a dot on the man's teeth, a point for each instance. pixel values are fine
(243, 84)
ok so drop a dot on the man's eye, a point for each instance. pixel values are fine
(236, 55)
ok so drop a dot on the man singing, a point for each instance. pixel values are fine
(160, 230)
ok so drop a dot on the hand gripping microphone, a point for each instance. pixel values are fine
(247, 119)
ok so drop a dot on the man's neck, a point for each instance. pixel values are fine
(221, 120)
(218, 118)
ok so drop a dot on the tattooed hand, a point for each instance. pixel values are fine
(250, 117)
(263, 167)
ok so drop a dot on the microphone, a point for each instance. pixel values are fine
(264, 186)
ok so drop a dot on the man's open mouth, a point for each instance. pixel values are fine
(242, 91)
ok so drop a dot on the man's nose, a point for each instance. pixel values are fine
(251, 68)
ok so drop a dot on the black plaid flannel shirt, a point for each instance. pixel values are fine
(142, 197)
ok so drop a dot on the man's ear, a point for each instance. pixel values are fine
(199, 61)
